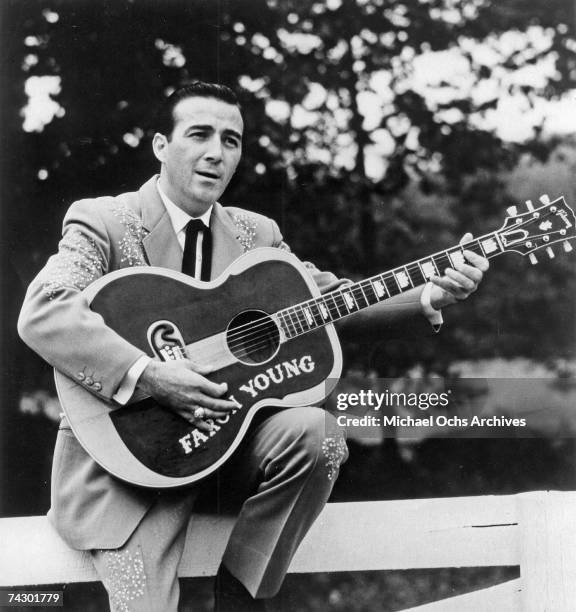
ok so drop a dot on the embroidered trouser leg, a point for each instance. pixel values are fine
(141, 576)
(288, 465)
(293, 457)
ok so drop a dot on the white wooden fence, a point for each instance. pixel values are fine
(536, 531)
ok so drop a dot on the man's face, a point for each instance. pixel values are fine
(202, 154)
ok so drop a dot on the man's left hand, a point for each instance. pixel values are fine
(459, 283)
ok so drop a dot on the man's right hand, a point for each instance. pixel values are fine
(182, 386)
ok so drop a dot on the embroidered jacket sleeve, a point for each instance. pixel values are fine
(56, 320)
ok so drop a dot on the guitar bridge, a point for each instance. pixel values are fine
(166, 341)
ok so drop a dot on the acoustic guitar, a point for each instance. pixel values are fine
(267, 331)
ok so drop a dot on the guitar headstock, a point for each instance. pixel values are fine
(538, 228)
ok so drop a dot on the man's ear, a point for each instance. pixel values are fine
(159, 143)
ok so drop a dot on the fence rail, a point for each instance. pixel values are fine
(536, 531)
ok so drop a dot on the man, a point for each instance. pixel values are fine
(289, 461)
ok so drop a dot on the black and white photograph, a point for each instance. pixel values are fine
(288, 305)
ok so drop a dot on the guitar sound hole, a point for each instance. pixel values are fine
(253, 337)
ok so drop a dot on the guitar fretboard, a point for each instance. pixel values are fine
(330, 307)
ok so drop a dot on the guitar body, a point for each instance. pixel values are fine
(220, 323)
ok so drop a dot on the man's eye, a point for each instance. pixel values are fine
(197, 135)
(232, 142)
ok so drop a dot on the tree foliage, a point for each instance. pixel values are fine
(362, 167)
(327, 90)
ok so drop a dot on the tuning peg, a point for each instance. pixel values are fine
(512, 211)
(532, 259)
(567, 246)
(529, 205)
(550, 252)
(545, 199)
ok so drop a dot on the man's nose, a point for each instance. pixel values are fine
(214, 149)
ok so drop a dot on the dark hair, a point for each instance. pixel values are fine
(164, 123)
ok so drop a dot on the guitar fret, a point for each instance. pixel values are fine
(300, 317)
(315, 309)
(308, 315)
(392, 284)
(342, 302)
(428, 268)
(442, 261)
(379, 288)
(294, 317)
(324, 311)
(356, 297)
(292, 331)
(349, 300)
(362, 294)
(369, 293)
(333, 296)
(359, 298)
(402, 279)
(283, 325)
(456, 257)
(415, 274)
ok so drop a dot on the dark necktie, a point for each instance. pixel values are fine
(194, 227)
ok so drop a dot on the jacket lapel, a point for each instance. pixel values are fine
(161, 244)
(225, 245)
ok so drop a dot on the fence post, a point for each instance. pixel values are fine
(547, 529)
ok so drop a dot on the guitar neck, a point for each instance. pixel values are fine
(335, 305)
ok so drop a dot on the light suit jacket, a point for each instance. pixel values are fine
(90, 508)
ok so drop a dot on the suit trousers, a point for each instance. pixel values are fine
(285, 470)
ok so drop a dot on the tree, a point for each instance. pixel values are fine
(364, 121)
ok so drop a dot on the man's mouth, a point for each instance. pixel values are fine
(208, 174)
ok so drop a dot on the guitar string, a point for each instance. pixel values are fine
(259, 341)
(414, 264)
(182, 352)
(240, 337)
(262, 337)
